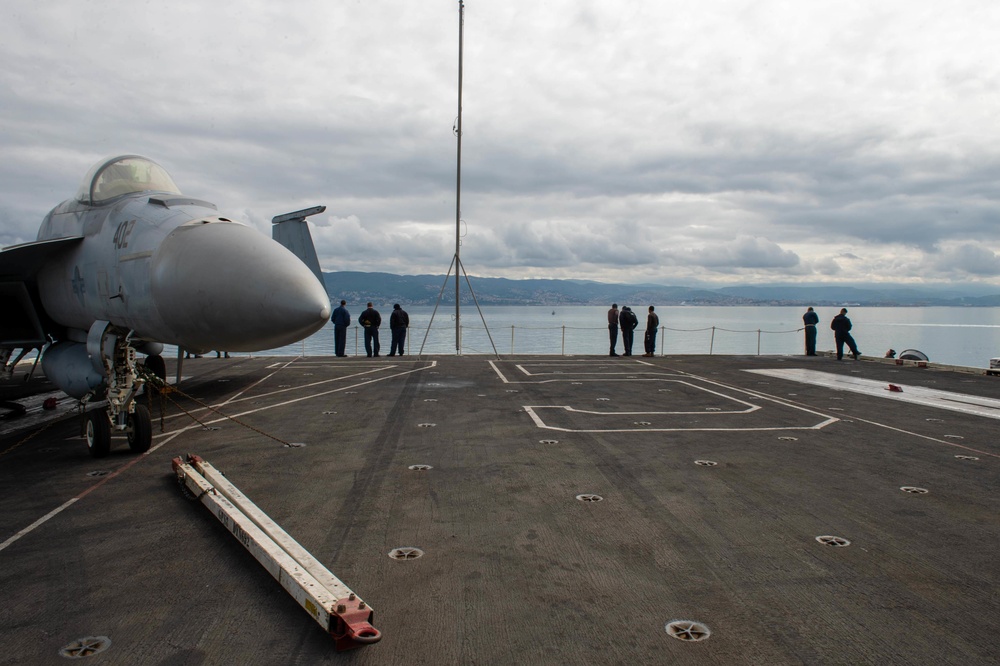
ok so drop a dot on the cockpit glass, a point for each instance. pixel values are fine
(126, 175)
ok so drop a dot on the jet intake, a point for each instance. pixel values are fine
(68, 366)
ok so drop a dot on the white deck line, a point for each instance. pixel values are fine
(918, 395)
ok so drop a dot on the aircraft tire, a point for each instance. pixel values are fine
(140, 432)
(98, 434)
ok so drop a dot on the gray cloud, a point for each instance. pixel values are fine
(741, 141)
(742, 252)
(970, 258)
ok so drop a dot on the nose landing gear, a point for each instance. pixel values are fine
(113, 346)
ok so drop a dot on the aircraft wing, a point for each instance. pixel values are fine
(21, 262)
(21, 324)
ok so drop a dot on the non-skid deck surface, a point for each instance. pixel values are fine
(516, 569)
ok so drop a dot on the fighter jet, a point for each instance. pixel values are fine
(130, 264)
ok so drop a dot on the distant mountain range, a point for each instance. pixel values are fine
(383, 289)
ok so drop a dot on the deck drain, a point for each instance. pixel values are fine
(329, 412)
(350, 392)
(953, 437)
(835, 409)
(405, 553)
(788, 439)
(512, 391)
(665, 391)
(914, 490)
(307, 374)
(934, 420)
(99, 472)
(642, 423)
(960, 457)
(603, 399)
(587, 497)
(420, 468)
(284, 386)
(706, 463)
(434, 383)
(576, 383)
(430, 400)
(295, 445)
(713, 409)
(85, 647)
(222, 381)
(211, 428)
(836, 541)
(426, 425)
(686, 630)
(631, 377)
(556, 441)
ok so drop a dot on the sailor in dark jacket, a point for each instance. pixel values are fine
(613, 327)
(628, 322)
(399, 321)
(370, 319)
(841, 326)
(341, 320)
(652, 323)
(810, 319)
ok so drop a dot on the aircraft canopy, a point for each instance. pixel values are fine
(125, 174)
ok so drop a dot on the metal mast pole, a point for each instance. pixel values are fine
(458, 182)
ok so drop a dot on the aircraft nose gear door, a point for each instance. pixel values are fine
(112, 354)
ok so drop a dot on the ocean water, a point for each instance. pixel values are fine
(955, 336)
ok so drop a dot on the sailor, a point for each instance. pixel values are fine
(652, 323)
(341, 320)
(628, 322)
(370, 319)
(810, 319)
(841, 326)
(613, 327)
(399, 321)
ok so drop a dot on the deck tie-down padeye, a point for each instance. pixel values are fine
(338, 610)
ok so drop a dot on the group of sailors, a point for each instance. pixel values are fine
(841, 327)
(370, 320)
(627, 320)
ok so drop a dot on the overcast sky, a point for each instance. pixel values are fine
(655, 141)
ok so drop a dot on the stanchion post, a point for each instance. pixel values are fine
(711, 343)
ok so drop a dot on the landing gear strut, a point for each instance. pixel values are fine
(112, 348)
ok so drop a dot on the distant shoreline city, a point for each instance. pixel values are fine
(389, 288)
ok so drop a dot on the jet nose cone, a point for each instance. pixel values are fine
(222, 285)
